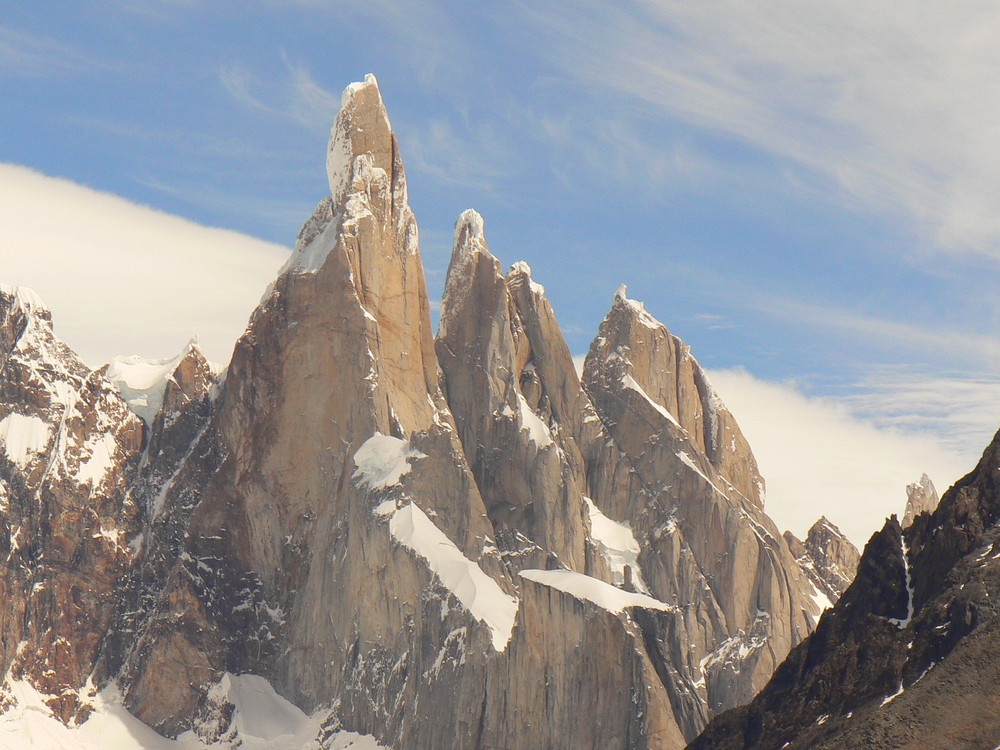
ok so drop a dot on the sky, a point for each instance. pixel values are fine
(806, 192)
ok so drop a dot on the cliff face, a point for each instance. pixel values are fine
(293, 566)
(695, 505)
(907, 657)
(449, 542)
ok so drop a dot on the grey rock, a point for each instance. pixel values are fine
(827, 557)
(921, 497)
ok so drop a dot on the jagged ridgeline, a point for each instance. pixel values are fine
(441, 542)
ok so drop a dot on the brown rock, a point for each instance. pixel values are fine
(68, 450)
(497, 378)
(284, 531)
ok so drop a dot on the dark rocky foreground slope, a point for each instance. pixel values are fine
(443, 542)
(908, 657)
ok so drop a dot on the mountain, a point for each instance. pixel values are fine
(70, 452)
(921, 497)
(907, 658)
(361, 527)
(827, 557)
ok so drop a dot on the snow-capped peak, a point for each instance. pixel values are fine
(142, 381)
(469, 234)
(637, 308)
(355, 87)
(521, 267)
(25, 298)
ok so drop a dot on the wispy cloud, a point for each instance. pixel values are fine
(295, 96)
(961, 410)
(26, 54)
(260, 207)
(157, 10)
(615, 148)
(893, 102)
(201, 147)
(455, 152)
(423, 33)
(967, 347)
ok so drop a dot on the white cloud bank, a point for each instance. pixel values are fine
(121, 278)
(819, 457)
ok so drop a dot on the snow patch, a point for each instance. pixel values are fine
(259, 711)
(638, 308)
(901, 624)
(629, 382)
(25, 298)
(617, 545)
(521, 267)
(471, 219)
(264, 720)
(101, 460)
(689, 462)
(537, 430)
(383, 460)
(890, 698)
(141, 381)
(821, 599)
(478, 593)
(310, 257)
(22, 436)
(593, 590)
(734, 651)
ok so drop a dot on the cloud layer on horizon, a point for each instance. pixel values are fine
(819, 456)
(121, 278)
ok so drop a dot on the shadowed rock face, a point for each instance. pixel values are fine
(907, 658)
(447, 543)
(827, 557)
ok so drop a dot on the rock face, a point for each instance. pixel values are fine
(907, 658)
(921, 497)
(69, 449)
(827, 557)
(449, 542)
(694, 499)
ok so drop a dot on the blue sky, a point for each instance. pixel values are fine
(808, 191)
